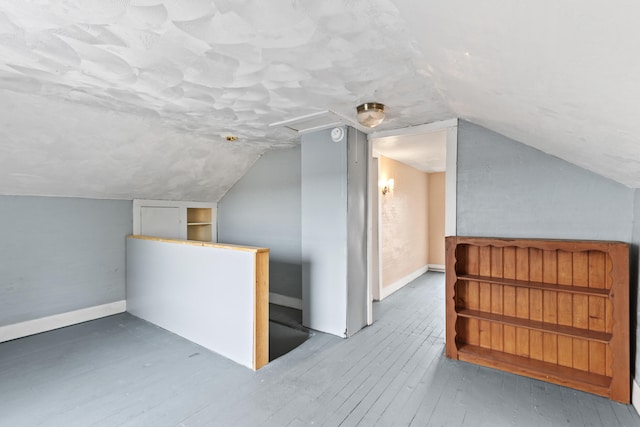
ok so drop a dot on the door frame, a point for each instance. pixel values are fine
(374, 274)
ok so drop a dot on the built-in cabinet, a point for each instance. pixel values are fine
(175, 220)
(553, 310)
(199, 225)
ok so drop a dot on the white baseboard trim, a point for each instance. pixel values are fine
(436, 267)
(285, 301)
(635, 395)
(49, 323)
(388, 290)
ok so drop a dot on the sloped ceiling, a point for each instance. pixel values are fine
(135, 98)
(561, 76)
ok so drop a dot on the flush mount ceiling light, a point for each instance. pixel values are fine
(370, 114)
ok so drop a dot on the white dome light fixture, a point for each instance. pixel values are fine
(370, 114)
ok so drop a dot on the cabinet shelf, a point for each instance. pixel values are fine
(175, 219)
(562, 375)
(199, 225)
(567, 331)
(599, 292)
(198, 215)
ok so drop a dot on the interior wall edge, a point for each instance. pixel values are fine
(398, 284)
(57, 321)
(436, 267)
(634, 290)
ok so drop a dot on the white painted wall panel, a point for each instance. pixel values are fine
(161, 221)
(333, 236)
(204, 294)
(324, 232)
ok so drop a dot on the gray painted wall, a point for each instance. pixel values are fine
(357, 159)
(324, 233)
(60, 254)
(507, 189)
(263, 209)
(334, 188)
(635, 275)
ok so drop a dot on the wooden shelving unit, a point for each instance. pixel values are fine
(199, 224)
(553, 310)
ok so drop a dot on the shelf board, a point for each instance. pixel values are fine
(569, 377)
(568, 331)
(199, 215)
(201, 231)
(543, 244)
(599, 292)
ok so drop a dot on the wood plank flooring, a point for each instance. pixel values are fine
(122, 371)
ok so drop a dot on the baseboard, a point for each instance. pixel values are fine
(388, 290)
(49, 323)
(635, 395)
(436, 267)
(285, 301)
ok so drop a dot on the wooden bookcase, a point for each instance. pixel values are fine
(554, 310)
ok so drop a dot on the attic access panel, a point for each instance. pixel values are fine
(311, 122)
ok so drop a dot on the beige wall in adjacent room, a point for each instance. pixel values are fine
(436, 217)
(404, 221)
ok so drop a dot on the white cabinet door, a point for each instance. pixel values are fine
(160, 221)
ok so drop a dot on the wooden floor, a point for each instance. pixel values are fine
(123, 371)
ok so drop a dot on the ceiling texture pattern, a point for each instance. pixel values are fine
(135, 98)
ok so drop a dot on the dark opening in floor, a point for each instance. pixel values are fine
(285, 330)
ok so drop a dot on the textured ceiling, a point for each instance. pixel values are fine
(561, 76)
(134, 98)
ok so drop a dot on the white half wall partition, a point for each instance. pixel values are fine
(212, 294)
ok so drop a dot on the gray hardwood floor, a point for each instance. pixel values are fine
(123, 371)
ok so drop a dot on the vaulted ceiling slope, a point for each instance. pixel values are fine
(134, 98)
(561, 76)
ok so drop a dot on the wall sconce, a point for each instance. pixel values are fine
(387, 186)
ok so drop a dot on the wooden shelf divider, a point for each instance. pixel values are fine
(569, 377)
(537, 285)
(554, 310)
(553, 328)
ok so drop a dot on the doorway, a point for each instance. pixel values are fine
(430, 148)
